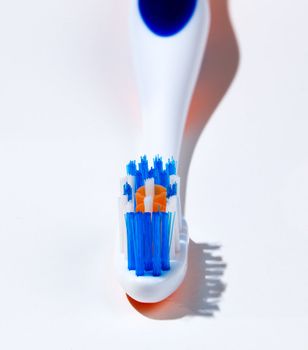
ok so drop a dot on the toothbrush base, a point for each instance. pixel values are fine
(149, 289)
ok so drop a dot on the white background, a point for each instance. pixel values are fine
(69, 119)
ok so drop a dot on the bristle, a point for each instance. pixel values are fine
(176, 179)
(151, 173)
(173, 179)
(149, 187)
(131, 168)
(158, 169)
(158, 163)
(150, 239)
(130, 207)
(171, 228)
(156, 234)
(172, 208)
(147, 242)
(144, 167)
(130, 228)
(176, 232)
(172, 190)
(127, 190)
(164, 179)
(165, 231)
(131, 180)
(148, 204)
(156, 175)
(139, 243)
(171, 167)
(139, 180)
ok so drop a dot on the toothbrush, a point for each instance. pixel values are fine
(168, 38)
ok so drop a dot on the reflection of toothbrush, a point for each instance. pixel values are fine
(168, 39)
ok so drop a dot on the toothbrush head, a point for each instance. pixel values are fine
(152, 257)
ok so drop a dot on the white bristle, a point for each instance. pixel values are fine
(171, 207)
(173, 179)
(148, 204)
(129, 206)
(131, 181)
(176, 179)
(150, 187)
(122, 227)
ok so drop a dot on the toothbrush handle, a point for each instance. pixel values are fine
(167, 67)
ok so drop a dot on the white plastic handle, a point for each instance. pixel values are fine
(167, 68)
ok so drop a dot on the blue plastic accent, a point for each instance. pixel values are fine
(166, 17)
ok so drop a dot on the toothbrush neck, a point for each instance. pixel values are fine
(162, 132)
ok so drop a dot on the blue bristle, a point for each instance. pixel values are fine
(130, 228)
(164, 179)
(171, 167)
(131, 168)
(156, 231)
(158, 170)
(172, 190)
(169, 189)
(165, 231)
(158, 163)
(138, 180)
(127, 190)
(147, 242)
(144, 167)
(156, 176)
(151, 173)
(139, 243)
(175, 189)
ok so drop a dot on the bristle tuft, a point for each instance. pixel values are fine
(156, 225)
(144, 167)
(171, 166)
(127, 190)
(150, 208)
(139, 180)
(172, 190)
(131, 168)
(130, 228)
